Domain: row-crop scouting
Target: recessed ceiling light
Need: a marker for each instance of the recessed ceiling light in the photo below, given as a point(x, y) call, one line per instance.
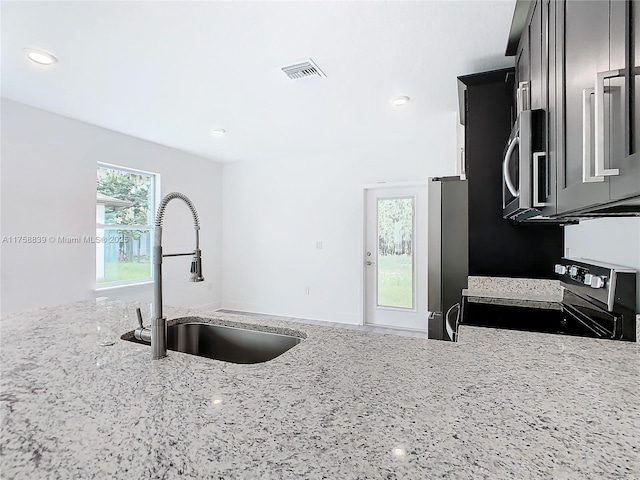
point(38, 56)
point(401, 100)
point(218, 132)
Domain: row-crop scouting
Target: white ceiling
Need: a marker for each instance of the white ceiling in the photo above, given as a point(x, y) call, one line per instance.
point(169, 72)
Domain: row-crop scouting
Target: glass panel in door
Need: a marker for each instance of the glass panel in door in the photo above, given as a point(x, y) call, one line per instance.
point(395, 272)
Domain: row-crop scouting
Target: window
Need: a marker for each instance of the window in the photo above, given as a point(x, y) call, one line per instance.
point(124, 225)
point(395, 252)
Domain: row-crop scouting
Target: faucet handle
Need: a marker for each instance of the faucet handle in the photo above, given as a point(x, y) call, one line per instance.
point(139, 314)
point(141, 333)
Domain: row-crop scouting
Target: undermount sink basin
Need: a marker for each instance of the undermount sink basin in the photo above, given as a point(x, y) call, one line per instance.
point(229, 344)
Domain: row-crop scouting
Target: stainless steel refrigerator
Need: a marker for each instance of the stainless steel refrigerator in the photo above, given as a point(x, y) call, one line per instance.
point(448, 244)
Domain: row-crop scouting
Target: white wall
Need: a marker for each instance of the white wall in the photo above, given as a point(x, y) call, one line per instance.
point(48, 188)
point(275, 212)
point(611, 240)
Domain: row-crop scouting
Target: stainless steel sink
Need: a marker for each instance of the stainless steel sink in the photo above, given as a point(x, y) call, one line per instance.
point(229, 344)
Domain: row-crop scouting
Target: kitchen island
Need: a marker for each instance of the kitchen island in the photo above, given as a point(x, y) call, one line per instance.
point(342, 404)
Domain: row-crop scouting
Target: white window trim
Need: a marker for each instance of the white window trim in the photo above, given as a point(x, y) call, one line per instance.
point(155, 194)
point(116, 286)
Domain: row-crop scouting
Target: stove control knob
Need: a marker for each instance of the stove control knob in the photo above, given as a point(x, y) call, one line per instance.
point(573, 271)
point(560, 269)
point(594, 281)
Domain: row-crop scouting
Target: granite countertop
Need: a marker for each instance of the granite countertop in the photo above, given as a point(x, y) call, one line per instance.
point(341, 404)
point(534, 289)
point(509, 301)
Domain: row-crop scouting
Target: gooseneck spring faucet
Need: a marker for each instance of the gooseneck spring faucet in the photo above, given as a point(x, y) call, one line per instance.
point(157, 334)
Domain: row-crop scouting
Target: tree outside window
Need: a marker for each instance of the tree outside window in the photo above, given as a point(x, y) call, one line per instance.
point(395, 252)
point(124, 225)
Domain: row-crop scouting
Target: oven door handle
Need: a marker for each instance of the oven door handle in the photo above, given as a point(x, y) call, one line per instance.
point(598, 330)
point(505, 167)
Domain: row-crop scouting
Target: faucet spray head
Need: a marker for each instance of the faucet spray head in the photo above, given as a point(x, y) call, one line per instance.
point(196, 268)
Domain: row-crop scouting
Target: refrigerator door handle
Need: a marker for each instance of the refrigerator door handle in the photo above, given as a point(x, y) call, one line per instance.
point(451, 329)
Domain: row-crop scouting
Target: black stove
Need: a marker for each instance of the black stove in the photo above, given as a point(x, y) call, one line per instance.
point(598, 301)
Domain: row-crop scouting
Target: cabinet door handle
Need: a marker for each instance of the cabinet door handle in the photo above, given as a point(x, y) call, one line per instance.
point(600, 171)
point(586, 138)
point(505, 167)
point(536, 179)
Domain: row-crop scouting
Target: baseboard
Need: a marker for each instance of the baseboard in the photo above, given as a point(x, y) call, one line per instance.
point(209, 307)
point(348, 319)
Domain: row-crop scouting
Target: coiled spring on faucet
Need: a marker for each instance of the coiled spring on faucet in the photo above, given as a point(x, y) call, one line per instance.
point(181, 196)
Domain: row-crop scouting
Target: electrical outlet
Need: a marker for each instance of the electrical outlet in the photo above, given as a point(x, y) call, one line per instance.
point(307, 290)
point(319, 245)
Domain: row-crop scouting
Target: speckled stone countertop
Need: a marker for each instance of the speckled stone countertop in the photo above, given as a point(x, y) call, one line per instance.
point(515, 288)
point(342, 404)
point(514, 302)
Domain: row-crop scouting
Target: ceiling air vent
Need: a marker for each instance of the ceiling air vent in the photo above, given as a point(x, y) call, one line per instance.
point(302, 69)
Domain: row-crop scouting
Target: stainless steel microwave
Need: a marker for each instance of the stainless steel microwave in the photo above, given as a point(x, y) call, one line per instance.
point(525, 168)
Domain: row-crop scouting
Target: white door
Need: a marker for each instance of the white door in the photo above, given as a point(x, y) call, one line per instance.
point(395, 257)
